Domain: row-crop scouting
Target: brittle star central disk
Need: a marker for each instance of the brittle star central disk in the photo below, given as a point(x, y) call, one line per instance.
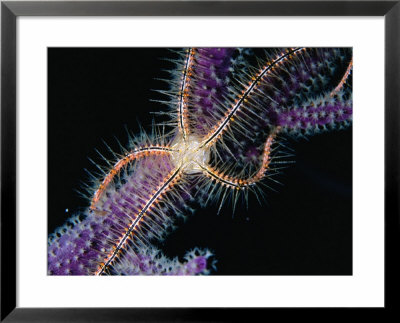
point(190, 154)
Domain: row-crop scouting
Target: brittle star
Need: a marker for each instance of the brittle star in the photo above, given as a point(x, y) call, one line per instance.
point(189, 151)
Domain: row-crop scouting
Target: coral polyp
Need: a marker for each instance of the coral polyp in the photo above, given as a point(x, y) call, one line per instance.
point(229, 112)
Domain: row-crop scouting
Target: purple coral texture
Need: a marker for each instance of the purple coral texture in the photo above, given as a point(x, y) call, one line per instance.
point(211, 79)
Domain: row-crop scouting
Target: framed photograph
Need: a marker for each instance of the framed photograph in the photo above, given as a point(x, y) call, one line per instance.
point(79, 79)
point(208, 156)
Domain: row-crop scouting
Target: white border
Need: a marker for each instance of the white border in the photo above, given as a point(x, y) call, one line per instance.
point(364, 288)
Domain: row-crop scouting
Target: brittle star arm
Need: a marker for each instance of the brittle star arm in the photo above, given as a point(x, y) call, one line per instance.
point(223, 124)
point(169, 181)
point(344, 79)
point(183, 120)
point(130, 157)
point(237, 183)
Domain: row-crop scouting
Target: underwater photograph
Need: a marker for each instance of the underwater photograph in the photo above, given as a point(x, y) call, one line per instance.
point(200, 161)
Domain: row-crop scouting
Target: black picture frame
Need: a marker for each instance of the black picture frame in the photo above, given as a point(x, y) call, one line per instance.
point(10, 10)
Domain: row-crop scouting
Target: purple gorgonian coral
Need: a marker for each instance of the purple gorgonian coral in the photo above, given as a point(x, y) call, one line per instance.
point(229, 109)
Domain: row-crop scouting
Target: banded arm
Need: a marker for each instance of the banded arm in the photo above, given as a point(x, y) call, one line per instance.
point(183, 121)
point(238, 183)
point(130, 157)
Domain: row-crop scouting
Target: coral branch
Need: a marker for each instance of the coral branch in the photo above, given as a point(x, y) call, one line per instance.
point(211, 73)
point(316, 115)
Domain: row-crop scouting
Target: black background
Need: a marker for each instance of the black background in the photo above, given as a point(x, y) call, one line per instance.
point(304, 229)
